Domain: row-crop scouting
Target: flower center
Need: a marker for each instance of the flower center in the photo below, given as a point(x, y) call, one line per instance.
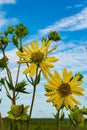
point(64, 89)
point(37, 57)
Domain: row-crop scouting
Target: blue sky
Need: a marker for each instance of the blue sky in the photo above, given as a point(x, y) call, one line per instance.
point(69, 19)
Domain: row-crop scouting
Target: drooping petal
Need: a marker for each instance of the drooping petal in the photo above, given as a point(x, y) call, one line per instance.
point(56, 101)
point(52, 98)
point(46, 68)
point(48, 64)
point(70, 102)
point(44, 72)
point(66, 103)
point(28, 69)
point(33, 71)
point(60, 103)
point(50, 93)
point(74, 100)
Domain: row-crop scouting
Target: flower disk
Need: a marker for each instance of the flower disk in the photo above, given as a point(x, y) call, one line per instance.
point(37, 58)
point(61, 90)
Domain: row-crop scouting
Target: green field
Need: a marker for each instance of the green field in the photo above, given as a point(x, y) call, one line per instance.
point(43, 124)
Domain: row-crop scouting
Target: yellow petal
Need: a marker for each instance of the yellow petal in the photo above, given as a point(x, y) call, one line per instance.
point(52, 49)
point(69, 101)
point(56, 101)
point(28, 69)
point(60, 103)
point(48, 64)
point(26, 50)
point(22, 55)
point(46, 68)
point(57, 75)
point(24, 61)
point(33, 71)
point(66, 104)
point(52, 82)
point(77, 89)
point(50, 87)
point(52, 59)
point(75, 79)
point(37, 45)
point(43, 45)
point(53, 97)
point(33, 46)
point(44, 72)
point(64, 74)
point(78, 93)
point(50, 93)
point(76, 84)
point(75, 100)
point(68, 77)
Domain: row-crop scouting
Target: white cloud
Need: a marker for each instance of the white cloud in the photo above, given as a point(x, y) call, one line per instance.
point(72, 23)
point(6, 21)
point(7, 1)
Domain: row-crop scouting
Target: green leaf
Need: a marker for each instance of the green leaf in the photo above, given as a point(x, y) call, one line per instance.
point(62, 116)
point(21, 87)
point(10, 86)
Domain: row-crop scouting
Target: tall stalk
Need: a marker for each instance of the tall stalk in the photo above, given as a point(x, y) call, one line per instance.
point(1, 122)
point(33, 98)
point(58, 120)
point(31, 108)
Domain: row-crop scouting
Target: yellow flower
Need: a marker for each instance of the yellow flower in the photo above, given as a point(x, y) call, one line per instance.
point(61, 90)
point(37, 57)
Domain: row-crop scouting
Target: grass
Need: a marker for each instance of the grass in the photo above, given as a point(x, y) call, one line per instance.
point(42, 124)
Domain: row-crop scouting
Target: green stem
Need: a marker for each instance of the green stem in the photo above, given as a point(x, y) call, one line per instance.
point(32, 103)
point(2, 125)
point(31, 108)
point(58, 121)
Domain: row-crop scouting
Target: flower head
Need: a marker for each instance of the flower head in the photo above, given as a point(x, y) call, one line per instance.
point(37, 58)
point(76, 117)
point(18, 112)
point(62, 90)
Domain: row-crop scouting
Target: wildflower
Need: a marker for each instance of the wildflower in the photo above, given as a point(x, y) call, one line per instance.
point(76, 117)
point(18, 112)
point(37, 58)
point(62, 90)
